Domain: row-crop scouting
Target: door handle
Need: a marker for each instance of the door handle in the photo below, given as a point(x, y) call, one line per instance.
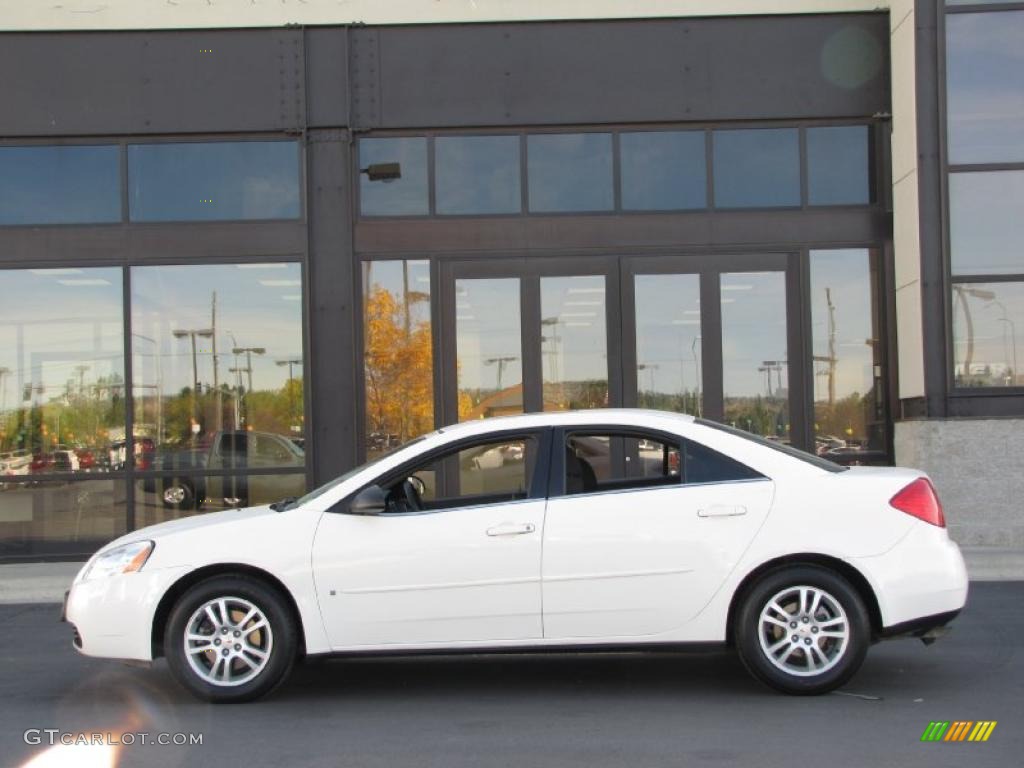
point(722, 510)
point(511, 529)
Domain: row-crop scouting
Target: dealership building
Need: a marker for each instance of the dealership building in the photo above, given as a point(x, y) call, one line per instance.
point(246, 245)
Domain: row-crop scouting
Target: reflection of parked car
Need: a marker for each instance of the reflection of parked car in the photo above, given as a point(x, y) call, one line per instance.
point(58, 461)
point(14, 464)
point(222, 450)
point(118, 455)
point(852, 455)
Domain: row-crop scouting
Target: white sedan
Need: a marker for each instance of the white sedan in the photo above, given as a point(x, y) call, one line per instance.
point(577, 530)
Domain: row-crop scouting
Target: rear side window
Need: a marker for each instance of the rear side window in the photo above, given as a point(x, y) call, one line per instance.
point(789, 450)
point(703, 465)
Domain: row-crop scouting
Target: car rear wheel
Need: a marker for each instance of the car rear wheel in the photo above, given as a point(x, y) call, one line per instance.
point(802, 630)
point(230, 638)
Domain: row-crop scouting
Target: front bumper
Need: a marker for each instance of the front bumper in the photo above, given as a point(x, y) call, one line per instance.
point(113, 617)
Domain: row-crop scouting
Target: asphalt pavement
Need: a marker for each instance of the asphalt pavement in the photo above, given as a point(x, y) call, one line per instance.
point(636, 709)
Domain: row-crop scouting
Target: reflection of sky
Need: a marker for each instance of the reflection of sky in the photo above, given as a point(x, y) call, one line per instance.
point(487, 327)
point(575, 340)
point(215, 180)
point(757, 168)
point(837, 165)
point(406, 196)
point(53, 320)
point(389, 276)
point(60, 185)
point(477, 174)
point(663, 170)
point(261, 305)
point(753, 331)
point(668, 342)
point(847, 273)
point(986, 228)
point(985, 87)
point(570, 172)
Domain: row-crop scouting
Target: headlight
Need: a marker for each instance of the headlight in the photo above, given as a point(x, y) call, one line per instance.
point(127, 558)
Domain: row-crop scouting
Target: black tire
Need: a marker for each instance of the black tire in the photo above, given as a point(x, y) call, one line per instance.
point(280, 642)
point(178, 494)
point(795, 674)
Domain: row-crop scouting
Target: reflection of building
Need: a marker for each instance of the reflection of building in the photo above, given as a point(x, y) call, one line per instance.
point(826, 253)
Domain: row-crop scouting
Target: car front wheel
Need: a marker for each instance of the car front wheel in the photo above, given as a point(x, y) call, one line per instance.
point(802, 630)
point(230, 639)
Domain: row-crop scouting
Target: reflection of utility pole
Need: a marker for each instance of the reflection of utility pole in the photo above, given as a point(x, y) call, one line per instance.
point(962, 293)
point(216, 374)
point(650, 368)
point(1013, 337)
point(291, 362)
point(159, 387)
point(699, 383)
point(5, 372)
point(555, 339)
point(248, 352)
point(830, 359)
point(769, 366)
point(192, 333)
point(500, 362)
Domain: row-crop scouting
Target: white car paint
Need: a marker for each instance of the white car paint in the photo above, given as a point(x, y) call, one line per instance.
point(658, 565)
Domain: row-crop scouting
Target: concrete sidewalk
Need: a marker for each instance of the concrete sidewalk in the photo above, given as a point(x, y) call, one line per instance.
point(46, 582)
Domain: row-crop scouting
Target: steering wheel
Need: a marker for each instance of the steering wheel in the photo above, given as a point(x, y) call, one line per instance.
point(412, 498)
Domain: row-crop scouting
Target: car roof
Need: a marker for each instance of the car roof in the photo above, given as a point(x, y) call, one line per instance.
point(627, 417)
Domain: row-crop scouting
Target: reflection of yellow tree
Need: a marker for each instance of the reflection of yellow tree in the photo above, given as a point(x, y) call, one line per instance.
point(398, 367)
point(846, 418)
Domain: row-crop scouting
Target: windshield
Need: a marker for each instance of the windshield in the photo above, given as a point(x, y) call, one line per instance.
point(796, 453)
point(317, 492)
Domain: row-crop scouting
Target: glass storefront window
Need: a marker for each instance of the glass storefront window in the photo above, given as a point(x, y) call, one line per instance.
point(570, 172)
point(757, 168)
point(755, 365)
point(668, 343)
point(984, 83)
point(386, 195)
point(477, 175)
point(986, 319)
point(397, 353)
point(837, 165)
point(53, 515)
point(217, 366)
point(60, 185)
point(985, 227)
point(489, 347)
point(159, 499)
point(574, 342)
point(849, 415)
point(62, 389)
point(663, 170)
point(208, 181)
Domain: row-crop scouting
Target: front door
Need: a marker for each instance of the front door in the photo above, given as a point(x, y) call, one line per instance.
point(522, 335)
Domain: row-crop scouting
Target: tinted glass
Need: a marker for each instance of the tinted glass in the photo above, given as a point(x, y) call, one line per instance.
point(477, 174)
point(837, 165)
point(216, 180)
point(796, 453)
point(397, 362)
point(703, 465)
point(488, 346)
point(596, 462)
point(570, 172)
point(986, 319)
point(758, 168)
point(502, 468)
point(62, 390)
point(159, 499)
point(849, 417)
point(755, 367)
point(60, 185)
point(668, 342)
point(52, 516)
point(406, 196)
point(984, 83)
point(663, 170)
point(986, 228)
point(574, 342)
point(217, 366)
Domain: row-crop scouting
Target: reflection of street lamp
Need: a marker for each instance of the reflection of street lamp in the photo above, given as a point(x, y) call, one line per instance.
point(159, 386)
point(206, 333)
point(1013, 335)
point(291, 362)
point(500, 362)
point(5, 372)
point(962, 294)
point(650, 368)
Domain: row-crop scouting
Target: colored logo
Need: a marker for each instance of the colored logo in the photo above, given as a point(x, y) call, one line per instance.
point(958, 730)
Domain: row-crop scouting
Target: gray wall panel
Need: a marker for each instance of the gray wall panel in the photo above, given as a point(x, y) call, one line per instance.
point(595, 72)
point(154, 82)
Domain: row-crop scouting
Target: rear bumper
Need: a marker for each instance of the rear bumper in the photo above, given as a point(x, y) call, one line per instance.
point(920, 582)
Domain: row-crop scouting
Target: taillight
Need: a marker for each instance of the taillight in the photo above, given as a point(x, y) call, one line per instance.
point(920, 500)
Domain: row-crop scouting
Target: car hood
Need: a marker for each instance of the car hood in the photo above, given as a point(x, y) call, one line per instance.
point(171, 527)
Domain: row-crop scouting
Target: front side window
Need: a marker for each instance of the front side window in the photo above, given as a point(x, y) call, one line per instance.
point(489, 472)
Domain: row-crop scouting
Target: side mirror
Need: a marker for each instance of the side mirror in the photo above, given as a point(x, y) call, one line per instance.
point(369, 501)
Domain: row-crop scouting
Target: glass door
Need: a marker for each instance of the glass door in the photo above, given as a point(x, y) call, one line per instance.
point(524, 335)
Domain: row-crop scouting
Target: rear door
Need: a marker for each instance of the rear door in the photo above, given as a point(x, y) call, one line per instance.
point(640, 534)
